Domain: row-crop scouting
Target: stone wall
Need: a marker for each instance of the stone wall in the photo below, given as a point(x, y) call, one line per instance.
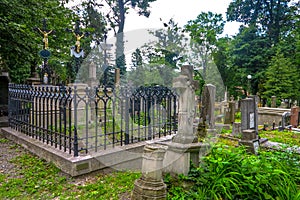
point(269, 115)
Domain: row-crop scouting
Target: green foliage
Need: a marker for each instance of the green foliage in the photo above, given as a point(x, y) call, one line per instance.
point(35, 178)
point(204, 31)
point(20, 44)
point(282, 79)
point(250, 54)
point(109, 186)
point(3, 140)
point(286, 137)
point(170, 48)
point(238, 115)
point(231, 173)
point(273, 17)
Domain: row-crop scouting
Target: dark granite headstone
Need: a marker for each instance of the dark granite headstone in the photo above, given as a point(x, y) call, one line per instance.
point(4, 80)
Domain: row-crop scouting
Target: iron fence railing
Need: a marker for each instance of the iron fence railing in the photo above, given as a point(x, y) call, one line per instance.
point(81, 120)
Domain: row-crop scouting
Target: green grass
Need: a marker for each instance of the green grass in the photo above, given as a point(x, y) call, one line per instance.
point(37, 179)
point(285, 137)
point(227, 172)
point(3, 140)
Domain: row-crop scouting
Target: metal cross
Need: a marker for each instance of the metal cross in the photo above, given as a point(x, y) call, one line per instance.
point(78, 34)
point(45, 33)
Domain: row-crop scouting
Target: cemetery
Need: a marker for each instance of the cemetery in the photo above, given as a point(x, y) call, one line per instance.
point(193, 115)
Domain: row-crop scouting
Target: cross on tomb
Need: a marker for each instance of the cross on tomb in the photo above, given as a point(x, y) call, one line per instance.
point(45, 33)
point(78, 35)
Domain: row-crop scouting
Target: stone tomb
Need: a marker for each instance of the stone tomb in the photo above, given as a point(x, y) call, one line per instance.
point(4, 80)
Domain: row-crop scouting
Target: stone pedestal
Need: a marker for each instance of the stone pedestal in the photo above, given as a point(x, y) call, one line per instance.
point(151, 185)
point(295, 116)
point(250, 141)
point(236, 128)
point(180, 156)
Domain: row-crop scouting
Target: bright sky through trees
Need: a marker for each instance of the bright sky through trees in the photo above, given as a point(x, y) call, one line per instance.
point(181, 11)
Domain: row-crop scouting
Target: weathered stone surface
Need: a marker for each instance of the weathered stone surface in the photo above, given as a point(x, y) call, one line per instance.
point(236, 128)
point(270, 115)
point(273, 102)
point(250, 141)
point(208, 105)
point(149, 190)
point(127, 157)
point(151, 185)
point(179, 157)
point(249, 113)
point(185, 86)
point(249, 135)
point(252, 146)
point(295, 116)
point(230, 113)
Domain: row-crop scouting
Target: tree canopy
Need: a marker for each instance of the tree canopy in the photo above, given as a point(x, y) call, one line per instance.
point(20, 43)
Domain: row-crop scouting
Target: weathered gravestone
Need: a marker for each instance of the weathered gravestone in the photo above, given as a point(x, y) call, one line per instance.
point(249, 124)
point(92, 80)
point(249, 113)
point(208, 105)
point(236, 128)
point(230, 113)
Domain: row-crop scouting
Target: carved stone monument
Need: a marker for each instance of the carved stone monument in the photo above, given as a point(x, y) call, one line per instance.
point(184, 147)
point(150, 185)
point(230, 113)
point(185, 86)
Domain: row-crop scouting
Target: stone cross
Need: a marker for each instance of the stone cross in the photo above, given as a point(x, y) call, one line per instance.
point(185, 86)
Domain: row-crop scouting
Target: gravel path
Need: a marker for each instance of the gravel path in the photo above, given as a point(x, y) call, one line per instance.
point(8, 151)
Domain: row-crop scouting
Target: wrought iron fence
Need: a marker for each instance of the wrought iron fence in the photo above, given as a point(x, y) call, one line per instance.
point(81, 119)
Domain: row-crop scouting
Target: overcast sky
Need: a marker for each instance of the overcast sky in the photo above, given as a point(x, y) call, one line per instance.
point(181, 11)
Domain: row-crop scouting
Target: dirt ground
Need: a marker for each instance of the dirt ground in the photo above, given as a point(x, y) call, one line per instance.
point(10, 150)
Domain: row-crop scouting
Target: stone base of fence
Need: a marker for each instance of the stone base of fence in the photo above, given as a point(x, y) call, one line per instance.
point(127, 157)
point(3, 121)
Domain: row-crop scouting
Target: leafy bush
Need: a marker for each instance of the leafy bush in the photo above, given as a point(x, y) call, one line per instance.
point(231, 173)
